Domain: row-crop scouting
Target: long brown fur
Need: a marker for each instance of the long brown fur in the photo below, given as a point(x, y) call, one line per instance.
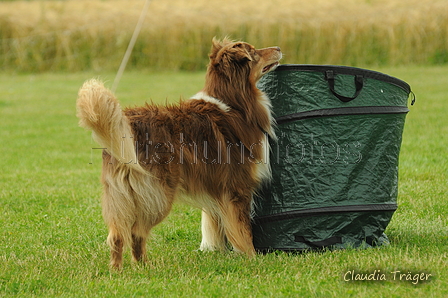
point(210, 150)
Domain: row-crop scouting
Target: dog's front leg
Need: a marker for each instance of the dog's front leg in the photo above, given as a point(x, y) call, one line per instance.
point(237, 226)
point(212, 233)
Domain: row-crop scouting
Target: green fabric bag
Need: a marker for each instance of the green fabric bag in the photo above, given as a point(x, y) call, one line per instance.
point(335, 162)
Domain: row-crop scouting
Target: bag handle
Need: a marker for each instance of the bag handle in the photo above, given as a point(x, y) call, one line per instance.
point(318, 244)
point(359, 84)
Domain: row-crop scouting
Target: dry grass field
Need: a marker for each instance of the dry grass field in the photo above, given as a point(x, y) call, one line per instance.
point(78, 35)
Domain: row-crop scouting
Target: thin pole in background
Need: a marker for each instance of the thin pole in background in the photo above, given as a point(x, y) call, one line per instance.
point(125, 60)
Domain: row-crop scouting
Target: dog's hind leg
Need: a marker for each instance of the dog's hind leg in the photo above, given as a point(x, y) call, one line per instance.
point(140, 232)
point(237, 226)
point(119, 215)
point(212, 233)
point(139, 248)
point(116, 244)
point(153, 202)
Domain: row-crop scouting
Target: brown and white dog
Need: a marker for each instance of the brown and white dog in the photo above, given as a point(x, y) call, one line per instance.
point(210, 150)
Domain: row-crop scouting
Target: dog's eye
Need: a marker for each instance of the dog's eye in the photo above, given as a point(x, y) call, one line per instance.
point(253, 53)
point(238, 45)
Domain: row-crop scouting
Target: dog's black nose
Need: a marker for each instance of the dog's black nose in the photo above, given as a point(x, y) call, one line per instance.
point(278, 49)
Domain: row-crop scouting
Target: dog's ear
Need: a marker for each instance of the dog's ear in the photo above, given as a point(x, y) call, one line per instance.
point(240, 52)
point(222, 53)
point(217, 46)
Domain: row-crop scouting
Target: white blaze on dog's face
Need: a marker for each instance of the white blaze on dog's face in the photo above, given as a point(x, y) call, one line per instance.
point(258, 62)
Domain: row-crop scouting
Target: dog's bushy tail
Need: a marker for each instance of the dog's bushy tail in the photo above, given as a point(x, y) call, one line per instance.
point(99, 111)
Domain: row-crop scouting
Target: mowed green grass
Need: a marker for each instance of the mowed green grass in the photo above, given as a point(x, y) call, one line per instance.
point(52, 237)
